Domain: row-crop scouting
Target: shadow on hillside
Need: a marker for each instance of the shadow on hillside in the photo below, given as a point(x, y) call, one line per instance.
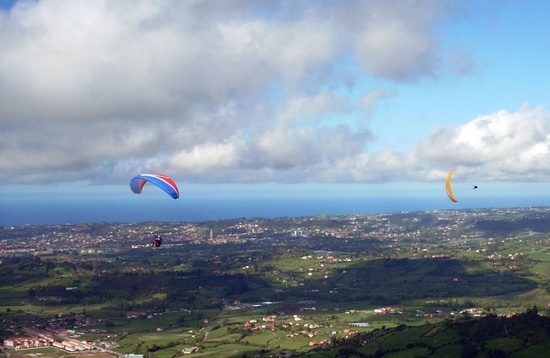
point(494, 227)
point(391, 281)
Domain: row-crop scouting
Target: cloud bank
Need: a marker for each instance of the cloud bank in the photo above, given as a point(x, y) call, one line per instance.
point(233, 91)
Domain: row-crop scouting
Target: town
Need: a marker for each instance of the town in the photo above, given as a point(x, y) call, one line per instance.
point(278, 285)
point(422, 230)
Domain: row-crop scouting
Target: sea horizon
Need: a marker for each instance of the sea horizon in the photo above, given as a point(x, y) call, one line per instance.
point(52, 211)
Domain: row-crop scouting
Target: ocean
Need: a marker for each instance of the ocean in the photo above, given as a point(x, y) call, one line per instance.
point(48, 210)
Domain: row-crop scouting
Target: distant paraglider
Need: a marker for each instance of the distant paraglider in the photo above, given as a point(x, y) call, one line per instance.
point(157, 241)
point(162, 181)
point(448, 187)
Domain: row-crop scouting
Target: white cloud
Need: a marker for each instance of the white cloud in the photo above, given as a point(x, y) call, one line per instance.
point(396, 42)
point(497, 146)
point(207, 156)
point(227, 91)
point(500, 146)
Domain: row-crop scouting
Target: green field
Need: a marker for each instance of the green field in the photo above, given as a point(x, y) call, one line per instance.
point(327, 295)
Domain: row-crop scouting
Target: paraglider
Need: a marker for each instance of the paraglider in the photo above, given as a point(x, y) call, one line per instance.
point(162, 181)
point(448, 187)
point(157, 241)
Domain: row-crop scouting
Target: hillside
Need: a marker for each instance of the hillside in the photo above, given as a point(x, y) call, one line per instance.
point(522, 335)
point(379, 285)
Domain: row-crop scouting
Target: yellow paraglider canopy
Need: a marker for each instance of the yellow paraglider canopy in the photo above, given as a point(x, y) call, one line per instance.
point(448, 187)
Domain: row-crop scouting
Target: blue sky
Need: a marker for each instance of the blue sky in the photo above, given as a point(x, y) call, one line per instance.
point(306, 95)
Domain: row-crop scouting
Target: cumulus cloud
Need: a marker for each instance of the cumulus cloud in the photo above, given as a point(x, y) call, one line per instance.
point(500, 146)
point(497, 146)
point(206, 156)
point(395, 42)
point(231, 91)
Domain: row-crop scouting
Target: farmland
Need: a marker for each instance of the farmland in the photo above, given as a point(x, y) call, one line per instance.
point(382, 285)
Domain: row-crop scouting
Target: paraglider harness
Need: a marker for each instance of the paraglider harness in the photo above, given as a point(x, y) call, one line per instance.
point(157, 241)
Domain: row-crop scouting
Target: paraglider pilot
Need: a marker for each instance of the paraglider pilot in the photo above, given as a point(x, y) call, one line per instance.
point(157, 241)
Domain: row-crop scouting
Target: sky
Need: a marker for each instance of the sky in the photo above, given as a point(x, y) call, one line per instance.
point(261, 94)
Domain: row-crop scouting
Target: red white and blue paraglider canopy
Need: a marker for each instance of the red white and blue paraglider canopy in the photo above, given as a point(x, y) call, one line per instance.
point(162, 181)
